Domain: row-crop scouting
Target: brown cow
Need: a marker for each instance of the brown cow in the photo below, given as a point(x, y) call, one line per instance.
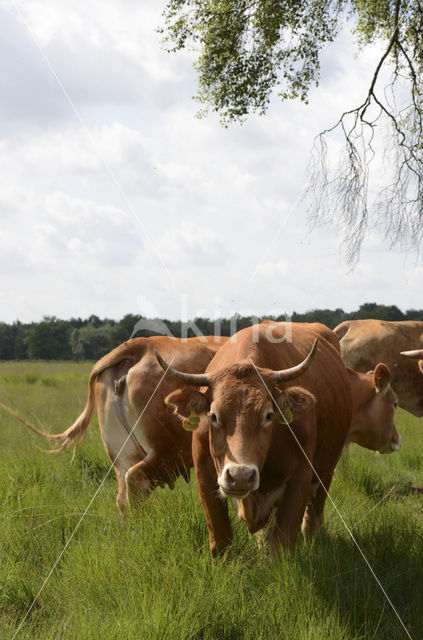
point(364, 343)
point(246, 448)
point(130, 389)
point(374, 403)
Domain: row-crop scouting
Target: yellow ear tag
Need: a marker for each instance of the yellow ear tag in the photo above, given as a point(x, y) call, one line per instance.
point(287, 416)
point(192, 422)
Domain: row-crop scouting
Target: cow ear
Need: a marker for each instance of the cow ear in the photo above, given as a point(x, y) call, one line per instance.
point(381, 377)
point(293, 402)
point(188, 404)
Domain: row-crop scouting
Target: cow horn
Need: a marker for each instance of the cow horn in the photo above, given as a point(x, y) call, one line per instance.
point(417, 353)
point(294, 372)
point(196, 379)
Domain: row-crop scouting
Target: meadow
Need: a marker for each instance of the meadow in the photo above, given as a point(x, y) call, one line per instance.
point(150, 576)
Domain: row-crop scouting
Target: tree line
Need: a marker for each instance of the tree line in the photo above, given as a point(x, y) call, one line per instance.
point(90, 339)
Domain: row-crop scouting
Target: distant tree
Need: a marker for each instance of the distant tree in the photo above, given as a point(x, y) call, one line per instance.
point(205, 325)
point(91, 343)
point(77, 323)
point(20, 340)
point(174, 326)
point(377, 311)
point(6, 341)
point(325, 316)
point(49, 340)
point(123, 329)
point(95, 321)
point(414, 314)
point(229, 326)
point(245, 49)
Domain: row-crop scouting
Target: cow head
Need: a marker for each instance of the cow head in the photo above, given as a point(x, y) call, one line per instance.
point(242, 405)
point(374, 404)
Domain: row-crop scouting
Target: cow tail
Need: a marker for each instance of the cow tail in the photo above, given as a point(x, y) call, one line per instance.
point(76, 432)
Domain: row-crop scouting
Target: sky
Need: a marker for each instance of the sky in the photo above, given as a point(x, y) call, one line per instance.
point(116, 199)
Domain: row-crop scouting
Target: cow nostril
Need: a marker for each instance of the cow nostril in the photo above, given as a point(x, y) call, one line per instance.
point(229, 477)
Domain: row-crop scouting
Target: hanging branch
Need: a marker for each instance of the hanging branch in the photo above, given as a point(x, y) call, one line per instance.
point(344, 198)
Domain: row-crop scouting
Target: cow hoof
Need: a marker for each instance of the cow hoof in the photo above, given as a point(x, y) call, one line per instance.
point(310, 525)
point(122, 505)
point(220, 554)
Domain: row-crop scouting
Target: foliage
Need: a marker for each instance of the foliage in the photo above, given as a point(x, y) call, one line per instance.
point(6, 341)
point(381, 312)
point(90, 342)
point(49, 339)
point(90, 339)
point(245, 49)
point(325, 316)
point(150, 576)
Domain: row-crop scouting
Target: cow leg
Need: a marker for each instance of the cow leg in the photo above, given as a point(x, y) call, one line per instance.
point(289, 513)
point(119, 448)
point(121, 500)
point(313, 515)
point(263, 537)
point(139, 479)
point(154, 470)
point(215, 507)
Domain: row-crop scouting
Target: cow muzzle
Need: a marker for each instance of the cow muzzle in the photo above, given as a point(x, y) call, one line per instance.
point(238, 480)
point(394, 445)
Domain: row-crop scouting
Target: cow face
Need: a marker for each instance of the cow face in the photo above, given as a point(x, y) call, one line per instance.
point(241, 416)
point(373, 416)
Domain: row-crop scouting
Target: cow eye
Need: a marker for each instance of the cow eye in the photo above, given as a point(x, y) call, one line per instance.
point(268, 416)
point(213, 417)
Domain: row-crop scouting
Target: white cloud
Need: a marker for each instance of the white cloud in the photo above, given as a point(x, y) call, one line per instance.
point(191, 245)
point(102, 53)
point(59, 231)
point(272, 269)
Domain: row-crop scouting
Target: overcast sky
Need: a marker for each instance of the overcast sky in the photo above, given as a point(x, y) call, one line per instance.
point(115, 199)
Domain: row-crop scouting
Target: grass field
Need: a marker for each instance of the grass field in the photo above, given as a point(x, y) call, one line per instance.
point(151, 577)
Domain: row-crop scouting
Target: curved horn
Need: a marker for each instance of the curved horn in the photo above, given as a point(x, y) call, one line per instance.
point(294, 372)
point(196, 379)
point(417, 354)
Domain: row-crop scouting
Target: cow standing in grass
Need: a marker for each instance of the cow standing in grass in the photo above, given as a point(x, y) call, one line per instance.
point(270, 425)
point(140, 433)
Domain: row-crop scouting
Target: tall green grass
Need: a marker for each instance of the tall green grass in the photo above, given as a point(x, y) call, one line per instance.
point(151, 577)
